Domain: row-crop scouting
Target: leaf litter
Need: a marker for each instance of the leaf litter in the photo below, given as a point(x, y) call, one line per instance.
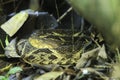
point(95, 59)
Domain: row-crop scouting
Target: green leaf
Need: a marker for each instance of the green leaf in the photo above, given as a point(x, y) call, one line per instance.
point(3, 78)
point(6, 41)
point(14, 70)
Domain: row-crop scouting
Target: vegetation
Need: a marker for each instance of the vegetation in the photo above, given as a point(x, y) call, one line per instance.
point(55, 43)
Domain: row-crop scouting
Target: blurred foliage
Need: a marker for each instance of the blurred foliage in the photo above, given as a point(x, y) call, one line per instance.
point(104, 14)
point(13, 70)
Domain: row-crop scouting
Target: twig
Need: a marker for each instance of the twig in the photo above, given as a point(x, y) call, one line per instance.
point(73, 47)
point(63, 15)
point(56, 6)
point(1, 43)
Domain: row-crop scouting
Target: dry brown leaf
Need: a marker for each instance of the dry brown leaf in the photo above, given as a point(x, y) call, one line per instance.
point(49, 76)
